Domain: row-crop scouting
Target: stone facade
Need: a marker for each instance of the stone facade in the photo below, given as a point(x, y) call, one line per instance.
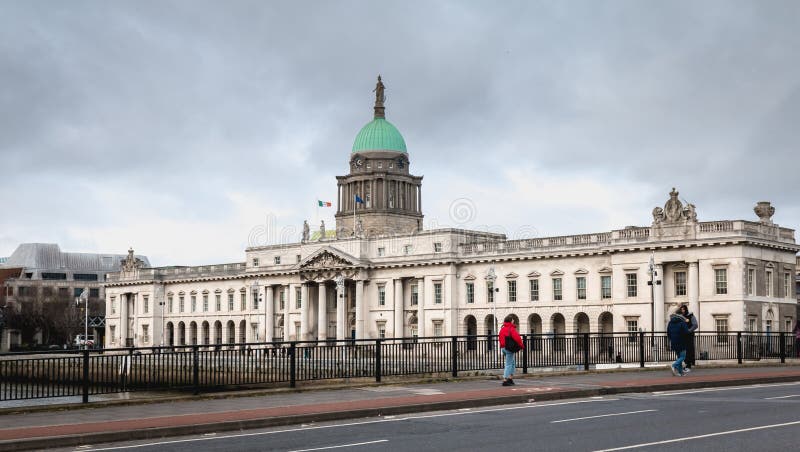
point(384, 276)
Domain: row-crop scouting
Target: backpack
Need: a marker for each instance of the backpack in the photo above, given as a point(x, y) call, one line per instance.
point(512, 345)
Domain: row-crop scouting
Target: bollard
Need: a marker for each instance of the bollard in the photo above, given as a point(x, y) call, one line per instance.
point(525, 343)
point(292, 365)
point(454, 355)
point(85, 382)
point(739, 347)
point(782, 344)
point(378, 360)
point(585, 351)
point(641, 348)
point(196, 369)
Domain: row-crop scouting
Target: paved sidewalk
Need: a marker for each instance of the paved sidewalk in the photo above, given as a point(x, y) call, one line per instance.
point(39, 429)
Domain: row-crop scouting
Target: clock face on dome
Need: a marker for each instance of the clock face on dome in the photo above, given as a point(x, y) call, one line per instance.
point(359, 162)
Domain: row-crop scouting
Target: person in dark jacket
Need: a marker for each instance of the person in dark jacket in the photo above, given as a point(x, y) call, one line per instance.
point(678, 332)
point(691, 322)
point(509, 332)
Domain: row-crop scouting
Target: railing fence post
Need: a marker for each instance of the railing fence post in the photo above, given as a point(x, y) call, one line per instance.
point(585, 351)
point(196, 369)
point(782, 344)
point(525, 353)
point(85, 381)
point(739, 347)
point(641, 348)
point(454, 355)
point(378, 369)
point(292, 365)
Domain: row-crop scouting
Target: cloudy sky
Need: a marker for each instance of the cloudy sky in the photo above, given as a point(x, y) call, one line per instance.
point(191, 129)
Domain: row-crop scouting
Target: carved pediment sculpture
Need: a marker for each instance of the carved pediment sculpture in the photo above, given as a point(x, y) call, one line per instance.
point(674, 211)
point(131, 263)
point(326, 259)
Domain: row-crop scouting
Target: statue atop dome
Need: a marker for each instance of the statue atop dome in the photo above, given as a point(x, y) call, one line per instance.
point(380, 97)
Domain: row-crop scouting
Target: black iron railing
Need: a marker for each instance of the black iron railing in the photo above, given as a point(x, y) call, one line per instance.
point(199, 368)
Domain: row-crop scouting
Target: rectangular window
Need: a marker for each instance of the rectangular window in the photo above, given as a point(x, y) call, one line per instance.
point(490, 292)
point(382, 295)
point(205, 302)
point(437, 247)
point(632, 326)
point(580, 284)
point(277, 260)
point(787, 324)
point(180, 303)
point(298, 258)
point(146, 304)
point(243, 301)
point(470, 293)
point(255, 299)
point(721, 325)
point(751, 281)
point(605, 287)
point(407, 249)
point(81, 277)
point(382, 330)
point(193, 301)
point(298, 297)
point(113, 305)
point(534, 289)
point(218, 302)
point(414, 331)
point(721, 280)
point(680, 284)
point(768, 283)
point(112, 329)
point(631, 282)
point(786, 284)
point(76, 292)
point(63, 292)
point(414, 294)
point(230, 302)
point(512, 291)
point(381, 252)
point(437, 293)
point(255, 262)
point(282, 301)
point(557, 289)
point(751, 324)
point(438, 329)
point(94, 293)
point(169, 304)
point(145, 334)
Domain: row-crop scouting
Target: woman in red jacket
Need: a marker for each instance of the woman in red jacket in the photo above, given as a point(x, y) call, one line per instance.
point(510, 343)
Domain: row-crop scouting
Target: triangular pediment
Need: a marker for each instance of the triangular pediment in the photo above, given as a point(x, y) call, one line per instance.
point(512, 275)
point(328, 257)
point(605, 270)
point(470, 277)
point(581, 271)
point(557, 273)
point(534, 274)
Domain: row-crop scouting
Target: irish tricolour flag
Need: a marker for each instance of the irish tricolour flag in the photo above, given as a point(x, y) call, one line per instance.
point(323, 203)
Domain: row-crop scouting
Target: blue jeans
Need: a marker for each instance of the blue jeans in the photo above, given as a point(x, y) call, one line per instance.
point(511, 363)
point(678, 364)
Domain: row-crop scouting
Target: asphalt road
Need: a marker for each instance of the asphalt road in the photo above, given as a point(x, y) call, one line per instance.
point(748, 418)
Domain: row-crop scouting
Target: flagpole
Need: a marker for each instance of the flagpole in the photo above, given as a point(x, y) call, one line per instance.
point(354, 214)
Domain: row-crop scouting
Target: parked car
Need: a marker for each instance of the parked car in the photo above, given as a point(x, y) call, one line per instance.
point(80, 342)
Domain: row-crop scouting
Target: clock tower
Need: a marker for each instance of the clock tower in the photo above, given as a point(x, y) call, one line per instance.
point(379, 195)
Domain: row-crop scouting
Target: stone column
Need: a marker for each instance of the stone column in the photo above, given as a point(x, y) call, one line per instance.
point(305, 306)
point(286, 305)
point(658, 299)
point(451, 300)
point(123, 317)
point(421, 308)
point(269, 315)
point(360, 327)
point(398, 308)
point(693, 290)
point(341, 314)
point(322, 312)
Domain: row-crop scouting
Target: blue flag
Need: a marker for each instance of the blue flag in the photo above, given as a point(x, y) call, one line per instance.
point(359, 200)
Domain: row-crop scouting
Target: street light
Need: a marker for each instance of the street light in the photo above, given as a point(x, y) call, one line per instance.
point(491, 276)
point(256, 299)
point(651, 269)
point(85, 297)
point(163, 327)
point(339, 280)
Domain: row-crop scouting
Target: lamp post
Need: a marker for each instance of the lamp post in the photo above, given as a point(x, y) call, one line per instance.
point(339, 280)
point(491, 277)
point(257, 298)
point(651, 270)
point(163, 326)
point(84, 296)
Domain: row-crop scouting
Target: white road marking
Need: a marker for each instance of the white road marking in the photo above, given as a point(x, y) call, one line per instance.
point(729, 388)
point(782, 397)
point(708, 435)
point(350, 424)
point(600, 415)
point(341, 446)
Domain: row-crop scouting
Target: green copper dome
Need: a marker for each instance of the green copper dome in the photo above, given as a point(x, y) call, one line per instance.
point(379, 135)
